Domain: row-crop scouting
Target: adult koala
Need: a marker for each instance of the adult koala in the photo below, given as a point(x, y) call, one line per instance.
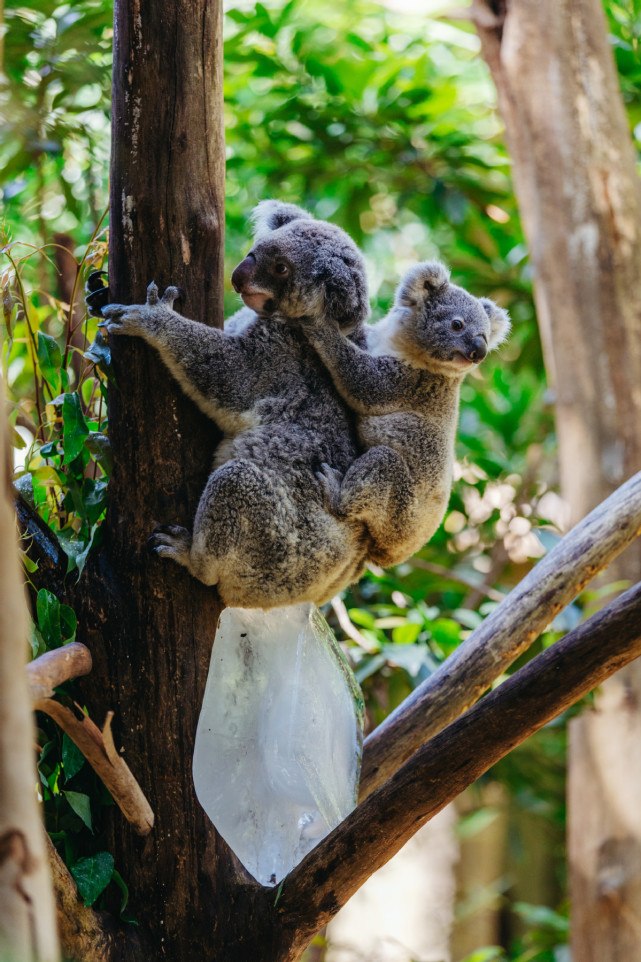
point(261, 531)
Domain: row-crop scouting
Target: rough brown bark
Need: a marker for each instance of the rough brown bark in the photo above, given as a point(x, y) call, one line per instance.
point(455, 758)
point(148, 624)
point(27, 925)
point(580, 201)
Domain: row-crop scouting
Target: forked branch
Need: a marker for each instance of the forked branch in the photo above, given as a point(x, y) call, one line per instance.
point(52, 669)
point(317, 888)
point(99, 750)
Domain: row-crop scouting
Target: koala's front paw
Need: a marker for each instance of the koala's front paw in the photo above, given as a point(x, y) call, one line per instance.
point(122, 319)
point(330, 481)
point(139, 318)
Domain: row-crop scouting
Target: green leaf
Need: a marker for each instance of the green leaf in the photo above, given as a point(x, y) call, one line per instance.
point(541, 916)
point(93, 875)
point(75, 427)
point(122, 885)
point(49, 357)
point(68, 623)
point(99, 351)
point(49, 450)
point(100, 447)
point(48, 612)
point(72, 757)
point(406, 634)
point(81, 805)
point(362, 617)
point(37, 642)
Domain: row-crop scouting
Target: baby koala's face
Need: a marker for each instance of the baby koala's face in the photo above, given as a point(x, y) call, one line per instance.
point(441, 327)
point(300, 267)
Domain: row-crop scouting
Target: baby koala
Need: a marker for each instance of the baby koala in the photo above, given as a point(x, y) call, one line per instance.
point(262, 533)
point(405, 386)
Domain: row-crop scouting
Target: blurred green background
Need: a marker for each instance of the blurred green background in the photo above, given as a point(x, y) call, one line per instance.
point(383, 121)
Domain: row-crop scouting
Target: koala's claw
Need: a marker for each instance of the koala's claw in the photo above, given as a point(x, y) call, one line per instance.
point(165, 534)
point(96, 293)
point(171, 541)
point(330, 481)
point(112, 321)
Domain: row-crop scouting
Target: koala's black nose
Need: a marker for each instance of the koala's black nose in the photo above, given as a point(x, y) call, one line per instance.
point(476, 349)
point(243, 273)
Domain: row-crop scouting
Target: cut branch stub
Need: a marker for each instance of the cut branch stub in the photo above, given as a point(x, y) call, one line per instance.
point(99, 750)
point(321, 884)
point(55, 667)
point(505, 634)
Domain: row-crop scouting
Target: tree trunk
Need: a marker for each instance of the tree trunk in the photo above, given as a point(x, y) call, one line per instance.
point(150, 625)
point(579, 196)
point(27, 919)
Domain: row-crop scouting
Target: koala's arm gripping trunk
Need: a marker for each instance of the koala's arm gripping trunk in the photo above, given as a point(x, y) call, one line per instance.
point(213, 368)
point(370, 385)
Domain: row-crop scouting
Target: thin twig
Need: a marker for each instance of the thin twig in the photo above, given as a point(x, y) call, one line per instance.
point(99, 750)
point(442, 572)
point(342, 615)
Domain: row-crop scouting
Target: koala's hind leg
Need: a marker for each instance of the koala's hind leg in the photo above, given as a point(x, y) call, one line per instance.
point(242, 522)
point(377, 490)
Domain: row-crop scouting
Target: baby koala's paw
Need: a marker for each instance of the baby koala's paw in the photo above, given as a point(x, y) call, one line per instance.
point(330, 481)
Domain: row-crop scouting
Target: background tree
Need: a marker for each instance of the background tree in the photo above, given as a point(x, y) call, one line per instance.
point(580, 200)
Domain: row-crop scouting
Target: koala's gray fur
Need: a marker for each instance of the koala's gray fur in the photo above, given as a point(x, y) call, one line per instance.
point(262, 532)
point(405, 387)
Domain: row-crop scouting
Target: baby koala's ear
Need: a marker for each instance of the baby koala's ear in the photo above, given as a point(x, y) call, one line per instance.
point(499, 322)
point(422, 282)
point(269, 215)
point(435, 277)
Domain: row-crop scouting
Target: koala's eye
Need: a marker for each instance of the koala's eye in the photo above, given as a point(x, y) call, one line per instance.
point(457, 324)
point(281, 268)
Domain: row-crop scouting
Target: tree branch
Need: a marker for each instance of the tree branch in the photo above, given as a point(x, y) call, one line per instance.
point(322, 883)
point(99, 750)
point(42, 546)
point(508, 631)
point(53, 668)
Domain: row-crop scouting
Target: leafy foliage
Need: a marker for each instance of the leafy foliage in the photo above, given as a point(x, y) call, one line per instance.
point(388, 129)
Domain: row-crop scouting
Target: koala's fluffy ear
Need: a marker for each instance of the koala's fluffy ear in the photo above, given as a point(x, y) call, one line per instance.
point(499, 322)
point(269, 215)
point(346, 291)
point(421, 282)
point(435, 277)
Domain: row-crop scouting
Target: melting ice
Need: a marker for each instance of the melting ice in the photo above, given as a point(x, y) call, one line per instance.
point(278, 746)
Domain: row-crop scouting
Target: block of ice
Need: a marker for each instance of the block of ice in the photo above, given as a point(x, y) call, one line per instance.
point(278, 746)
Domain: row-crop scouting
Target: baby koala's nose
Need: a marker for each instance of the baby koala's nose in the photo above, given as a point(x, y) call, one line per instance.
point(476, 349)
point(243, 273)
